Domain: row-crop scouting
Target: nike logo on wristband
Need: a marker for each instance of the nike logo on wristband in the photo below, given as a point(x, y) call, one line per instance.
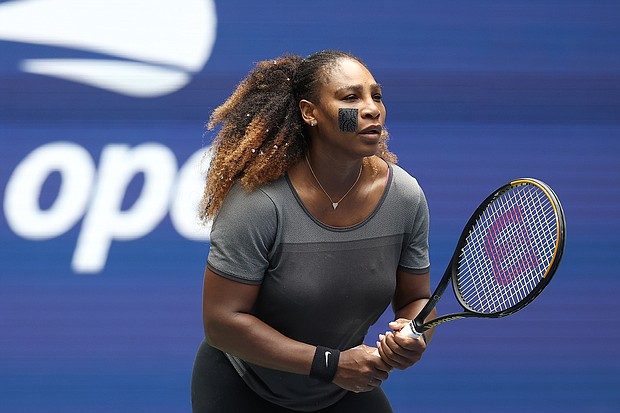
point(327, 353)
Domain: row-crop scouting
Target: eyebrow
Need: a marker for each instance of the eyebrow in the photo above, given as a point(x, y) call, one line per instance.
point(358, 87)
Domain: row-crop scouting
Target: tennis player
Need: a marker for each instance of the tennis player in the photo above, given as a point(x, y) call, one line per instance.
point(316, 231)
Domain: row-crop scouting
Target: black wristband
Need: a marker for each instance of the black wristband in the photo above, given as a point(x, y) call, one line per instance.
point(325, 364)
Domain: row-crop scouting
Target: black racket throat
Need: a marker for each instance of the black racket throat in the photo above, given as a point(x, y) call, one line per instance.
point(418, 324)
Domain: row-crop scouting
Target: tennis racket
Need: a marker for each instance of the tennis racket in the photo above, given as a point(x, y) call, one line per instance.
point(506, 255)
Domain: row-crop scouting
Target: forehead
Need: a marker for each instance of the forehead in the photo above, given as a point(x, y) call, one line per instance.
point(347, 72)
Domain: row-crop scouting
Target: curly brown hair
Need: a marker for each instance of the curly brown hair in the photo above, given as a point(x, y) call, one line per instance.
point(262, 131)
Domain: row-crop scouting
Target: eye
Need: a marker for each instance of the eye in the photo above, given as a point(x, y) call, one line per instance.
point(350, 97)
point(377, 97)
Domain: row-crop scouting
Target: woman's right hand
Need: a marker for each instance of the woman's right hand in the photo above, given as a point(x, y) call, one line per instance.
point(360, 370)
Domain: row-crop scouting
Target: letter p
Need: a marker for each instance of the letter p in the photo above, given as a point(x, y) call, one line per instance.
point(105, 220)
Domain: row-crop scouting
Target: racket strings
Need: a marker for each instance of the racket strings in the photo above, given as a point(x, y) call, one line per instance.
point(508, 250)
point(513, 241)
point(509, 243)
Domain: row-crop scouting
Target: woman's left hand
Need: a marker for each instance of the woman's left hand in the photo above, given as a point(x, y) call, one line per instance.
point(398, 350)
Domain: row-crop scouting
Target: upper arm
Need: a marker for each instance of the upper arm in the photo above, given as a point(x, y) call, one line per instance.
point(415, 255)
point(223, 299)
point(243, 235)
point(410, 288)
point(413, 273)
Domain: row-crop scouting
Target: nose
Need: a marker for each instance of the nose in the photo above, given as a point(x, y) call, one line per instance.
point(371, 110)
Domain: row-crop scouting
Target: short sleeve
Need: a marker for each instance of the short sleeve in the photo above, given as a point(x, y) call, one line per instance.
point(242, 235)
point(415, 257)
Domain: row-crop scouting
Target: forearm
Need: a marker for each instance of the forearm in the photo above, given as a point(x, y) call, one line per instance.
point(247, 337)
point(411, 310)
point(400, 350)
point(412, 294)
point(230, 326)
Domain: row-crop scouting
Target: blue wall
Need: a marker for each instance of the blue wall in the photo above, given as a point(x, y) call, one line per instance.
point(97, 315)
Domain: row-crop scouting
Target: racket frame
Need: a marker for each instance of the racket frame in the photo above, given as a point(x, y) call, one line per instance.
point(417, 326)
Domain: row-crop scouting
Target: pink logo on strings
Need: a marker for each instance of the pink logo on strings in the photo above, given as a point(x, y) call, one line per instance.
point(507, 243)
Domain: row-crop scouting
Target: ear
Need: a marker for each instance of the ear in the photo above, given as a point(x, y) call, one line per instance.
point(308, 109)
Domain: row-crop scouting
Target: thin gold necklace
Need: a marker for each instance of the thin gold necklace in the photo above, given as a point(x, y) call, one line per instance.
point(334, 204)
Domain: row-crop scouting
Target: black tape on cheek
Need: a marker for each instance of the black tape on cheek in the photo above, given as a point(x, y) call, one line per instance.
point(347, 120)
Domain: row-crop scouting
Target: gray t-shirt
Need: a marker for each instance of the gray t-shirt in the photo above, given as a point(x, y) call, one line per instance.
point(320, 285)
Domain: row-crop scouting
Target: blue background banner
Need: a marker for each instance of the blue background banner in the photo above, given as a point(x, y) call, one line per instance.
point(102, 112)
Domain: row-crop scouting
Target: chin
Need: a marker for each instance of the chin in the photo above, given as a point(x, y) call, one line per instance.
point(370, 151)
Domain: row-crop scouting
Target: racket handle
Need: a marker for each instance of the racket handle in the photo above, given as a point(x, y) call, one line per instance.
point(410, 331)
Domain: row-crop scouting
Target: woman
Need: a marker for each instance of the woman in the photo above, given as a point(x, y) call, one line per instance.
point(309, 244)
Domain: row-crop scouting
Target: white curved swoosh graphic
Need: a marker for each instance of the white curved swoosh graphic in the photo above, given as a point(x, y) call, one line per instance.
point(159, 43)
point(128, 78)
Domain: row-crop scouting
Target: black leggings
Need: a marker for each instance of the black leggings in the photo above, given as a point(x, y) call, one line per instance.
point(217, 388)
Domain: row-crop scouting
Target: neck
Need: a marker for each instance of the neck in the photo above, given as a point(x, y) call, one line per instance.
point(335, 177)
point(334, 202)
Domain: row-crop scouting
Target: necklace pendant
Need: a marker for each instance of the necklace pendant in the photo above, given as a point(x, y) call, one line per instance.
point(334, 204)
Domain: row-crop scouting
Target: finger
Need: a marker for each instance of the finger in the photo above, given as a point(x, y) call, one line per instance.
point(399, 355)
point(398, 324)
point(393, 359)
point(367, 387)
point(380, 375)
point(385, 353)
point(395, 347)
point(382, 366)
point(384, 356)
point(383, 344)
point(404, 346)
point(409, 343)
point(374, 383)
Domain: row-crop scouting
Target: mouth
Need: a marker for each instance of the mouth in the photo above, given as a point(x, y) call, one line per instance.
point(372, 131)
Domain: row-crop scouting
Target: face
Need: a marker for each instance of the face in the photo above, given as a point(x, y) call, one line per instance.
point(348, 112)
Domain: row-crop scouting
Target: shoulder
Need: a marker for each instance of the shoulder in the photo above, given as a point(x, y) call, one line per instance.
point(405, 185)
point(407, 195)
point(241, 201)
point(243, 209)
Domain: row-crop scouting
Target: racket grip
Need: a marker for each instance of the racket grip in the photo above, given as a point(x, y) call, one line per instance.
point(410, 331)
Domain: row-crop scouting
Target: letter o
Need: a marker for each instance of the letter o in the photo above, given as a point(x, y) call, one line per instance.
point(21, 198)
